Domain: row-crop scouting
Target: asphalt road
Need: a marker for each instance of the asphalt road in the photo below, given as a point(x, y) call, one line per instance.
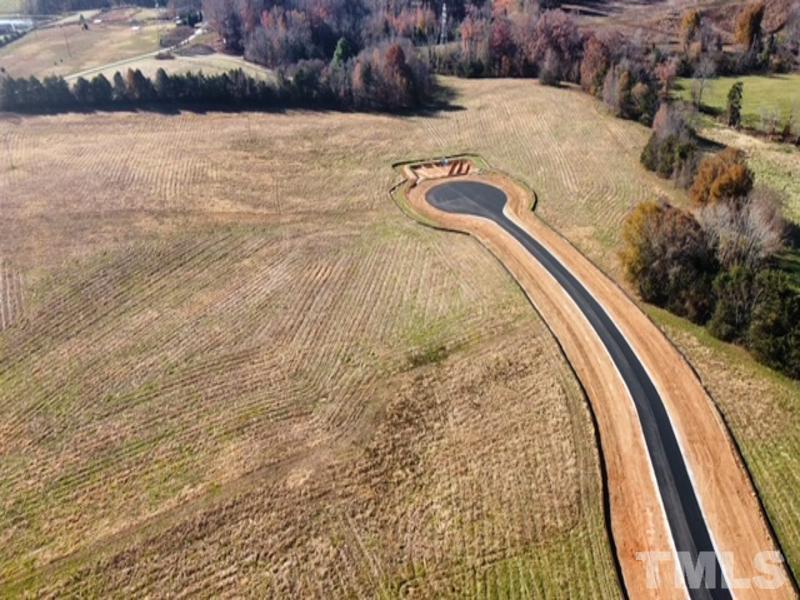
point(687, 525)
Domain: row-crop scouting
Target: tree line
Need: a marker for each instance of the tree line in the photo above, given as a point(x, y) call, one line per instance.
point(716, 263)
point(385, 78)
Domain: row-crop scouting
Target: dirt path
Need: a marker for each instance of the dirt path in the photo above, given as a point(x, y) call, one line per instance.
point(638, 521)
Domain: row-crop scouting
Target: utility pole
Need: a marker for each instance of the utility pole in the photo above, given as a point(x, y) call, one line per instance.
point(66, 41)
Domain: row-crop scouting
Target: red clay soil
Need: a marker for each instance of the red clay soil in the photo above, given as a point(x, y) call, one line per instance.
point(638, 522)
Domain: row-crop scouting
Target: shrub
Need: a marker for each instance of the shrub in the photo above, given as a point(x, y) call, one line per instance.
point(723, 177)
point(734, 105)
point(671, 150)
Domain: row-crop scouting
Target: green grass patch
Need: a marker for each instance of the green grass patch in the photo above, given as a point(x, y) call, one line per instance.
point(764, 96)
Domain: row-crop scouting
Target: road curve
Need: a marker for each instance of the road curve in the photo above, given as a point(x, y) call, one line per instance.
point(688, 527)
point(676, 483)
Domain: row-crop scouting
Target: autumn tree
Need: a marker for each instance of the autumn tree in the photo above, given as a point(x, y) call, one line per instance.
point(723, 177)
point(748, 25)
point(666, 72)
point(502, 47)
point(690, 27)
point(669, 259)
point(595, 64)
point(558, 40)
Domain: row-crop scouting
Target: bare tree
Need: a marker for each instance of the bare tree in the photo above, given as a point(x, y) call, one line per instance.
point(746, 236)
point(704, 71)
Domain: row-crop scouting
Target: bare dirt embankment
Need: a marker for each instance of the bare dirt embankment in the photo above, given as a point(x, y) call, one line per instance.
point(638, 523)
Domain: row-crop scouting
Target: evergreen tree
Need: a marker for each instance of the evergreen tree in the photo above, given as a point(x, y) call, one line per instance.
point(82, 90)
point(164, 86)
point(58, 93)
point(101, 90)
point(774, 335)
point(342, 53)
point(120, 91)
point(734, 106)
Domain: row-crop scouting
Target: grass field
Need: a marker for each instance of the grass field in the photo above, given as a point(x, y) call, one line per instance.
point(63, 50)
point(10, 7)
point(230, 363)
point(764, 97)
point(209, 64)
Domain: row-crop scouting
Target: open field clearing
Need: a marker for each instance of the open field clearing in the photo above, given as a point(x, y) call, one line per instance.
point(69, 49)
point(223, 376)
point(241, 357)
point(210, 64)
point(661, 20)
point(765, 98)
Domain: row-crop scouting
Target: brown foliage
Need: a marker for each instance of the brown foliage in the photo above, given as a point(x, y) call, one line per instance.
point(748, 24)
point(723, 177)
point(690, 25)
point(670, 260)
point(594, 66)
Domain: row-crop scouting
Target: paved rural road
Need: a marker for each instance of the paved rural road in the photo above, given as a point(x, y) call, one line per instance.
point(686, 521)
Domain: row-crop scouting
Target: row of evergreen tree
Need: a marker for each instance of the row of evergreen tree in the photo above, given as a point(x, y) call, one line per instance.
point(233, 89)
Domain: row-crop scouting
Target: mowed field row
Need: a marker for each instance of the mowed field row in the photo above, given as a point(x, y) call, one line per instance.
point(241, 369)
point(11, 294)
point(221, 356)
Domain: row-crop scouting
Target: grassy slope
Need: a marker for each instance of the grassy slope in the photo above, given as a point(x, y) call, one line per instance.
point(209, 64)
point(47, 52)
point(763, 96)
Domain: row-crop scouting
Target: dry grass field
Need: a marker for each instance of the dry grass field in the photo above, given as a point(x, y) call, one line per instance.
point(210, 64)
point(233, 366)
point(10, 7)
point(62, 50)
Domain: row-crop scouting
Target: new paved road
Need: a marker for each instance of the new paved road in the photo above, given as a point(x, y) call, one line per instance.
point(687, 525)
